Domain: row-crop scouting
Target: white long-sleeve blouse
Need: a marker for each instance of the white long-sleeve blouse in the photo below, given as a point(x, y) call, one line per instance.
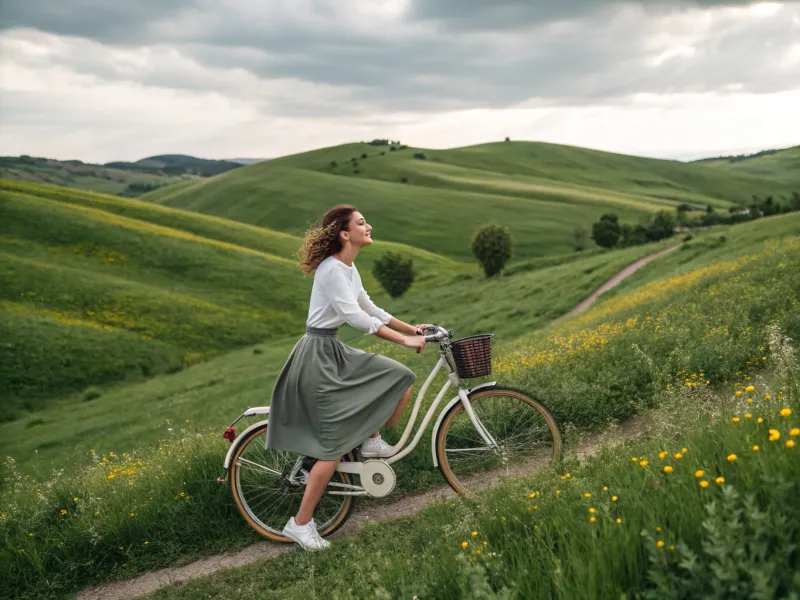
point(338, 297)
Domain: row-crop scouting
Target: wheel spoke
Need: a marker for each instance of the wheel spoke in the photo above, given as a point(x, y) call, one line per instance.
point(519, 426)
point(265, 495)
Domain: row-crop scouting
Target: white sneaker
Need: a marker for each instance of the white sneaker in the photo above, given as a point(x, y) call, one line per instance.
point(305, 535)
point(376, 448)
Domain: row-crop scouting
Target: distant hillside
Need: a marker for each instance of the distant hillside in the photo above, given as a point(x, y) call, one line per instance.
point(246, 161)
point(129, 179)
point(780, 165)
point(178, 164)
point(436, 199)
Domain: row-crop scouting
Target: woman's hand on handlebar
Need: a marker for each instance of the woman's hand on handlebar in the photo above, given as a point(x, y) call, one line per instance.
point(420, 329)
point(414, 341)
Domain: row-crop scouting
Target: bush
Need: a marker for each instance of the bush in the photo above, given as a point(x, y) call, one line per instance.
point(607, 231)
point(364, 155)
point(91, 394)
point(419, 155)
point(492, 245)
point(394, 273)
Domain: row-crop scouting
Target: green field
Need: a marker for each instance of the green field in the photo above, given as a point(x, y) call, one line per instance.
point(617, 360)
point(133, 330)
point(97, 289)
point(541, 191)
point(779, 165)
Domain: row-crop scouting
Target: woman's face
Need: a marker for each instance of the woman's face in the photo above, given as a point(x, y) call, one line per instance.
point(358, 231)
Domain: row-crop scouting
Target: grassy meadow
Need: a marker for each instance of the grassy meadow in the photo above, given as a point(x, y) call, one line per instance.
point(672, 342)
point(541, 191)
point(132, 331)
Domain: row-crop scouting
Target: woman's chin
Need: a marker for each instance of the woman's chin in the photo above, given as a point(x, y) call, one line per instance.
point(367, 241)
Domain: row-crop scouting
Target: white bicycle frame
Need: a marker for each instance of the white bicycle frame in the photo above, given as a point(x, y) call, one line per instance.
point(400, 451)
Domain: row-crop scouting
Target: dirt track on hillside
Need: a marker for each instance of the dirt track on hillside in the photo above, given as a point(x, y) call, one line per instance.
point(407, 505)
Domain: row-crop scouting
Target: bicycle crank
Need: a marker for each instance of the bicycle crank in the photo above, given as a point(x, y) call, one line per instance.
point(377, 478)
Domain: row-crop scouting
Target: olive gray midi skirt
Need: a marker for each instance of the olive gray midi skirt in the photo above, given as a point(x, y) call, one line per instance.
point(329, 397)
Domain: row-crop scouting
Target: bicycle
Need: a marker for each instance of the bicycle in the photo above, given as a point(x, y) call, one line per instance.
point(487, 427)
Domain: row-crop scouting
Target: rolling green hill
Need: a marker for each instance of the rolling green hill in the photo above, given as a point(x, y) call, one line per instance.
point(95, 289)
point(128, 179)
point(541, 191)
point(778, 165)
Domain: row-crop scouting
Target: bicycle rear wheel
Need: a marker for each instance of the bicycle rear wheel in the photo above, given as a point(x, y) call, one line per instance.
point(526, 434)
point(266, 497)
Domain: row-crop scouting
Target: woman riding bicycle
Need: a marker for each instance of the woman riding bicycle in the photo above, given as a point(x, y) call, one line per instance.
point(330, 398)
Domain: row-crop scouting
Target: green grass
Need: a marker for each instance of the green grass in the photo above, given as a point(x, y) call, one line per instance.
point(79, 176)
point(654, 534)
point(541, 191)
point(98, 289)
point(781, 166)
point(616, 361)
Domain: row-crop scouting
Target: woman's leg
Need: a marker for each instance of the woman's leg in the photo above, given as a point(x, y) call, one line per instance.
point(318, 479)
point(395, 418)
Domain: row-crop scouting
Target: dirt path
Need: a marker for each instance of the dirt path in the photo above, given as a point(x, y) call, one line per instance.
point(407, 505)
point(615, 280)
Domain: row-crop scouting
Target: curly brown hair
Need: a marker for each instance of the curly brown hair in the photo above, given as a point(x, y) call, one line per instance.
point(320, 242)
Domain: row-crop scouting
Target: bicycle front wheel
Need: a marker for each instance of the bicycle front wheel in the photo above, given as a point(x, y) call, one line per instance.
point(266, 496)
point(526, 434)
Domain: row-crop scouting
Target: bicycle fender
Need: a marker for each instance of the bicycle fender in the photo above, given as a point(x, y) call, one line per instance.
point(236, 443)
point(445, 410)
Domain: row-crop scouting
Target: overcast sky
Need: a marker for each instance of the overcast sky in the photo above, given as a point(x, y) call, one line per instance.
point(103, 80)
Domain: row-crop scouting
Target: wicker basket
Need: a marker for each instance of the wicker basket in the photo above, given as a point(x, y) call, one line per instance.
point(473, 356)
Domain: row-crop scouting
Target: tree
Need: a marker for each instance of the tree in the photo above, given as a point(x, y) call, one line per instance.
point(607, 231)
point(492, 245)
point(662, 226)
point(394, 273)
point(633, 236)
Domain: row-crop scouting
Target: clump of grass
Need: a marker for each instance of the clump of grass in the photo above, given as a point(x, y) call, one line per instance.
point(91, 393)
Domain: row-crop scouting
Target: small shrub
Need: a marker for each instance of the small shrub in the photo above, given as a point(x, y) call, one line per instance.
point(334, 164)
point(688, 237)
point(364, 155)
point(404, 180)
point(392, 148)
point(419, 155)
point(394, 272)
point(258, 351)
point(356, 171)
point(34, 422)
point(492, 245)
point(91, 394)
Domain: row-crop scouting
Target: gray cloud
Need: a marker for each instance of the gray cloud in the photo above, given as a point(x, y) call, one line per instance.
point(437, 55)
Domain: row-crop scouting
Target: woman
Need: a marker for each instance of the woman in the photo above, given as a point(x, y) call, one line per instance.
point(329, 398)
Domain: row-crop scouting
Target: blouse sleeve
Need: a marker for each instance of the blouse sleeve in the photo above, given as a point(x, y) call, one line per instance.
point(368, 306)
point(340, 295)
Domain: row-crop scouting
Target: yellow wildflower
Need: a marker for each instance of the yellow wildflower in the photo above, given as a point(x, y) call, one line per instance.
point(719, 480)
point(619, 520)
point(767, 397)
point(662, 454)
point(643, 463)
point(591, 510)
point(795, 431)
point(786, 412)
point(748, 416)
point(698, 473)
point(790, 443)
point(731, 457)
point(749, 388)
point(738, 392)
point(759, 420)
point(774, 435)
point(587, 495)
point(755, 448)
point(678, 456)
point(704, 484)
point(735, 419)
point(613, 498)
point(592, 520)
point(474, 534)
point(659, 544)
point(464, 544)
point(667, 469)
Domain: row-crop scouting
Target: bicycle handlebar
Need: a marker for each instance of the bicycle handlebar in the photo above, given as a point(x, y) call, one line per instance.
point(435, 333)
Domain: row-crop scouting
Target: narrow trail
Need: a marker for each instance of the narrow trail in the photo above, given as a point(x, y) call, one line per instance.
point(614, 281)
point(148, 583)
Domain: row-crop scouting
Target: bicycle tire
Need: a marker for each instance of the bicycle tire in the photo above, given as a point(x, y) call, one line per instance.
point(446, 466)
point(325, 529)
